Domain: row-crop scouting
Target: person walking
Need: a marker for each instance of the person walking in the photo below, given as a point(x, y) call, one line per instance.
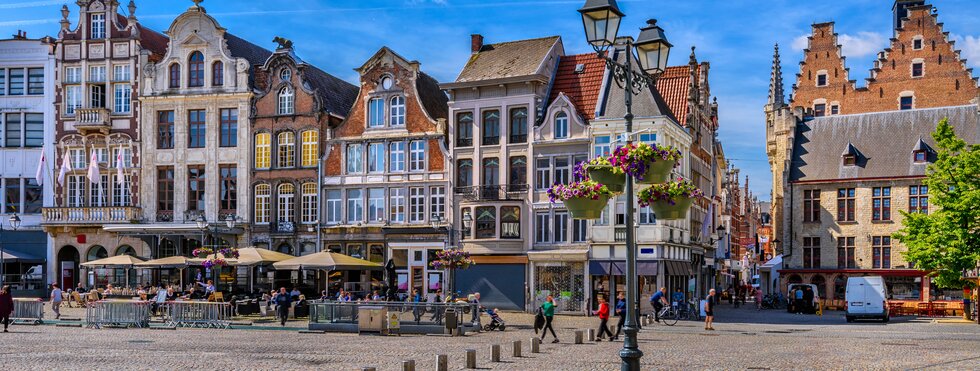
point(603, 314)
point(709, 311)
point(621, 313)
point(758, 299)
point(548, 310)
point(417, 298)
point(283, 301)
point(6, 306)
point(658, 300)
point(56, 300)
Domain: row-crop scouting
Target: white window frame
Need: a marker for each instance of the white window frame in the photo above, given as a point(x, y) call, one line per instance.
point(562, 174)
point(263, 204)
point(73, 99)
point(376, 205)
point(286, 202)
point(542, 225)
point(580, 230)
point(96, 74)
point(397, 205)
point(355, 206)
point(416, 205)
point(286, 149)
point(604, 148)
point(826, 79)
point(437, 202)
point(73, 75)
point(561, 228)
point(76, 190)
point(98, 26)
point(922, 43)
point(335, 206)
point(309, 202)
point(122, 95)
point(286, 101)
point(376, 157)
point(354, 158)
point(120, 72)
point(376, 113)
point(561, 125)
point(396, 110)
point(396, 154)
point(417, 155)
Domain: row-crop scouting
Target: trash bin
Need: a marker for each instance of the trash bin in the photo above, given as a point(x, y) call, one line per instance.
point(452, 320)
point(967, 309)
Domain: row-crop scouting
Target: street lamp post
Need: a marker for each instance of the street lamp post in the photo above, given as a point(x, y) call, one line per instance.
point(202, 224)
point(601, 19)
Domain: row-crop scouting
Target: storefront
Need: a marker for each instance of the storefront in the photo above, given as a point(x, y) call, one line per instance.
point(413, 270)
point(560, 273)
point(501, 281)
point(901, 284)
point(608, 277)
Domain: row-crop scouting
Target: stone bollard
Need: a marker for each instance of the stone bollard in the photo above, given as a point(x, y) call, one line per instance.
point(470, 358)
point(535, 345)
point(591, 333)
point(579, 335)
point(442, 362)
point(368, 368)
point(517, 349)
point(408, 365)
point(495, 353)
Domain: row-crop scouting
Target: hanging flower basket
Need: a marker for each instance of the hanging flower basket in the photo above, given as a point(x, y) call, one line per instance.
point(669, 200)
point(452, 259)
point(649, 164)
point(584, 199)
point(601, 171)
point(215, 261)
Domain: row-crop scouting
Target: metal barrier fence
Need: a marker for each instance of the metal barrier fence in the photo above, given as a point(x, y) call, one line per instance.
point(408, 313)
point(125, 313)
point(198, 314)
point(29, 310)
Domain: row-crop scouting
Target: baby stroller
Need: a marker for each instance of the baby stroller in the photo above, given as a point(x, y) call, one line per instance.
point(495, 321)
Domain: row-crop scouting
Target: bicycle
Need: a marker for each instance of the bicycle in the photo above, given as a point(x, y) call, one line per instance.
point(669, 315)
point(691, 312)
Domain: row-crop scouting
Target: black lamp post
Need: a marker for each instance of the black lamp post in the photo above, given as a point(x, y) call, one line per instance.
point(202, 224)
point(601, 19)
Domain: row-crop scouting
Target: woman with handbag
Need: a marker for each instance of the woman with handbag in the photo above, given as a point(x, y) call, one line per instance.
point(548, 310)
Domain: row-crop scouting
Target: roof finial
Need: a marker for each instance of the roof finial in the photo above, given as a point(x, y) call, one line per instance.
point(694, 59)
point(197, 6)
point(776, 81)
point(132, 9)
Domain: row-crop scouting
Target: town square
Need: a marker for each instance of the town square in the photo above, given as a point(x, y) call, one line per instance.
point(490, 184)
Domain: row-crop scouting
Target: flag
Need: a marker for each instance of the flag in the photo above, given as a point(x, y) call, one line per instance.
point(65, 168)
point(39, 176)
point(93, 168)
point(708, 217)
point(119, 167)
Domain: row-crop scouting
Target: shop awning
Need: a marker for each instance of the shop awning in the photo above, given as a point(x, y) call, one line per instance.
point(676, 268)
point(558, 255)
point(17, 256)
point(618, 268)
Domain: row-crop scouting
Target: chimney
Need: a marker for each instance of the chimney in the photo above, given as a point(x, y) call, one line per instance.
point(21, 35)
point(476, 43)
point(900, 10)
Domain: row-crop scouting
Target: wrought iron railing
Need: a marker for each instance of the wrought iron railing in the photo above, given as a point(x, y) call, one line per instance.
point(464, 142)
point(490, 141)
point(518, 138)
point(491, 192)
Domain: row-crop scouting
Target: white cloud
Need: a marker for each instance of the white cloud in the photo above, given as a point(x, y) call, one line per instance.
point(862, 44)
point(800, 43)
point(426, 2)
point(969, 47)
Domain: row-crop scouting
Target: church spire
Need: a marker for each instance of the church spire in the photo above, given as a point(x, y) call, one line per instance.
point(776, 81)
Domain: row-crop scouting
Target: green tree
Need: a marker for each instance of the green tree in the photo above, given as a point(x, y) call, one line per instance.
point(947, 239)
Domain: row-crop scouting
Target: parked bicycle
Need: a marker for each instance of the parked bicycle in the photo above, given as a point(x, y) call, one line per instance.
point(772, 301)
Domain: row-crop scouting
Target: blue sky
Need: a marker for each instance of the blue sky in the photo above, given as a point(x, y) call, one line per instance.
point(736, 36)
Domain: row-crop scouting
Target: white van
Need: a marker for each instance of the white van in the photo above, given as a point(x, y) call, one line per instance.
point(866, 298)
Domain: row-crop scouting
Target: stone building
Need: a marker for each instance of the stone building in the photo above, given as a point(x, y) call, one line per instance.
point(387, 175)
point(27, 73)
point(99, 65)
point(295, 103)
point(837, 189)
point(195, 102)
point(498, 96)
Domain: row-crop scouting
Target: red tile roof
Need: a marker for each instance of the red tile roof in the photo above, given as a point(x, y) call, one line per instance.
point(581, 88)
point(674, 85)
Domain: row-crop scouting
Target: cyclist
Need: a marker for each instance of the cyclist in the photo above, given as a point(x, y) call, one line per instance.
point(677, 298)
point(658, 300)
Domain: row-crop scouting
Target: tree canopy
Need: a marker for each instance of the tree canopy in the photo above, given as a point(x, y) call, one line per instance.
point(946, 240)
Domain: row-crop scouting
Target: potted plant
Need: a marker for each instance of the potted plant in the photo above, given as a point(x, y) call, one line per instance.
point(602, 171)
point(669, 200)
point(649, 164)
point(584, 199)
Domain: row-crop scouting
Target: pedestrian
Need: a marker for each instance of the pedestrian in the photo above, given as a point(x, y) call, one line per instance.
point(603, 314)
point(6, 306)
point(548, 311)
point(709, 311)
point(437, 310)
point(658, 300)
point(283, 301)
point(621, 313)
point(758, 299)
point(417, 298)
point(798, 303)
point(677, 298)
point(56, 300)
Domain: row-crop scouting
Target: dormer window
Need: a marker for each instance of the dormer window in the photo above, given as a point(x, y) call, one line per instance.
point(919, 156)
point(285, 74)
point(286, 101)
point(850, 155)
point(850, 160)
point(195, 70)
point(561, 125)
point(387, 83)
point(174, 75)
point(98, 26)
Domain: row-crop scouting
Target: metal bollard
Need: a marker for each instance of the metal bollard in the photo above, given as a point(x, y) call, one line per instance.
point(408, 365)
point(591, 333)
point(442, 362)
point(579, 335)
point(517, 349)
point(495, 353)
point(535, 345)
point(471, 358)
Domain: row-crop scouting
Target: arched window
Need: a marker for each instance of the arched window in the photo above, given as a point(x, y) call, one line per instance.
point(125, 250)
point(175, 75)
point(263, 150)
point(167, 248)
point(309, 213)
point(397, 115)
point(464, 129)
point(195, 70)
point(486, 222)
point(286, 149)
point(218, 74)
point(286, 194)
point(286, 101)
point(307, 248)
point(561, 125)
point(286, 249)
point(263, 192)
point(840, 287)
point(795, 279)
point(96, 252)
point(821, 284)
point(311, 147)
point(518, 125)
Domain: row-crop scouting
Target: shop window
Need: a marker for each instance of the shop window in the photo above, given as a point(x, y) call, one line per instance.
point(486, 222)
point(510, 222)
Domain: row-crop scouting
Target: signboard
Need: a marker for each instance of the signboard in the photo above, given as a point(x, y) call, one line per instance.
point(764, 239)
point(393, 323)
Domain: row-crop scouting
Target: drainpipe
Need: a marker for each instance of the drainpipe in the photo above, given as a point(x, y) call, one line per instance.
point(319, 201)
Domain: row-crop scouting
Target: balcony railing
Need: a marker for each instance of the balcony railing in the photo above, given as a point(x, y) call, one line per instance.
point(491, 192)
point(464, 142)
point(518, 138)
point(89, 215)
point(92, 119)
point(517, 188)
point(490, 141)
point(619, 234)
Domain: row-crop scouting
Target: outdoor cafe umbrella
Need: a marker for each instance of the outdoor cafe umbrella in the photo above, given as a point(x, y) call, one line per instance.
point(179, 262)
point(118, 261)
point(252, 256)
point(328, 261)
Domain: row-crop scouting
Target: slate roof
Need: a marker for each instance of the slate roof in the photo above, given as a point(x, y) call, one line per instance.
point(507, 59)
point(434, 100)
point(241, 48)
point(582, 88)
point(884, 142)
point(337, 95)
point(150, 40)
point(674, 86)
point(648, 103)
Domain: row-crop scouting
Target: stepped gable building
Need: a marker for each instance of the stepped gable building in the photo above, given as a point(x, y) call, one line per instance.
point(99, 65)
point(27, 73)
point(838, 190)
point(296, 104)
point(497, 97)
point(387, 175)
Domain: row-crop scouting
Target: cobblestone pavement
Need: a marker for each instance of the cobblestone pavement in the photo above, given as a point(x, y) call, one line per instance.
point(745, 339)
